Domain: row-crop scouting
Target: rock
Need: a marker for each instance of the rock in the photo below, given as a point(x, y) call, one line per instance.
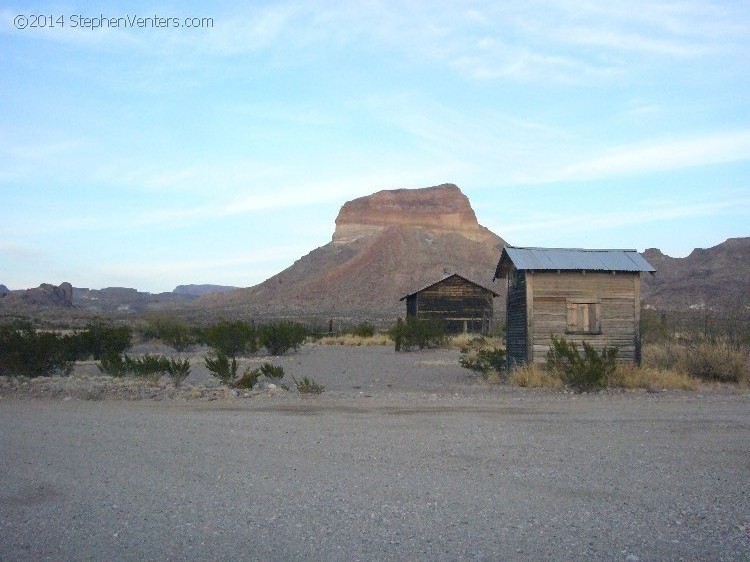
point(440, 208)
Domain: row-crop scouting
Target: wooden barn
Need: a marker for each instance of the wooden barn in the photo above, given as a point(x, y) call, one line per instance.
point(581, 295)
point(462, 305)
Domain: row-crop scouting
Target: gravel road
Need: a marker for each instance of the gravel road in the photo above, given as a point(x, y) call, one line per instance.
point(418, 473)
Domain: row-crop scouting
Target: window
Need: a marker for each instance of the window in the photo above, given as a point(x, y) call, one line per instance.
point(584, 316)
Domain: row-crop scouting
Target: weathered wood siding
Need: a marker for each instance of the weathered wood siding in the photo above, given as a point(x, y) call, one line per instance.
point(461, 305)
point(515, 318)
point(617, 296)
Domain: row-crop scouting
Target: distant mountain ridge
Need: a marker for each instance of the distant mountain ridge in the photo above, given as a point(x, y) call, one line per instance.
point(717, 277)
point(385, 246)
point(200, 290)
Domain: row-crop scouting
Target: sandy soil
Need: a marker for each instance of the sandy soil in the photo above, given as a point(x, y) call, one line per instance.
point(404, 457)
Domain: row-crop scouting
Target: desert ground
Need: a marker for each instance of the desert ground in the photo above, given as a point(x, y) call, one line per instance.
point(405, 457)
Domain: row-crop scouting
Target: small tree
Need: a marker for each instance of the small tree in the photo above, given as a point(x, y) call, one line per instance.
point(582, 373)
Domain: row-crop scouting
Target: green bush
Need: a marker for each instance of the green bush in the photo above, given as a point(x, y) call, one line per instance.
point(280, 337)
point(147, 366)
point(364, 330)
point(178, 335)
point(272, 371)
point(231, 338)
point(248, 379)
point(419, 333)
point(582, 373)
point(114, 365)
point(151, 367)
point(482, 359)
point(220, 366)
point(98, 339)
point(26, 352)
point(178, 370)
point(309, 386)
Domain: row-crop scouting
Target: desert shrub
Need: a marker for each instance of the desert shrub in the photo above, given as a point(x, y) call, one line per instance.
point(178, 370)
point(708, 361)
point(98, 339)
point(114, 365)
point(418, 333)
point(26, 352)
point(364, 330)
point(582, 373)
point(271, 371)
point(280, 337)
point(176, 334)
point(479, 356)
point(231, 338)
point(534, 375)
point(248, 379)
point(309, 386)
point(150, 367)
point(220, 366)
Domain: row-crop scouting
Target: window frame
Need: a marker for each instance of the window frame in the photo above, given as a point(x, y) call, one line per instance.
point(583, 316)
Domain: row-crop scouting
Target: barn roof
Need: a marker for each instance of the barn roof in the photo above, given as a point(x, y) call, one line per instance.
point(571, 259)
point(448, 277)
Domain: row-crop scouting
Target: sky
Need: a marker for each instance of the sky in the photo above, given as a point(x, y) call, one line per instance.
point(149, 145)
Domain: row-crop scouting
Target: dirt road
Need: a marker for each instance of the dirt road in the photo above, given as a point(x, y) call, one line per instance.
point(407, 475)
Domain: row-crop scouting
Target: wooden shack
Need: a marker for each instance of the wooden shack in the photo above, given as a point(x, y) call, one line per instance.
point(581, 295)
point(462, 305)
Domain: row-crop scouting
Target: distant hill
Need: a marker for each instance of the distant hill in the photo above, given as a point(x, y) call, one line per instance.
point(200, 290)
point(717, 277)
point(45, 295)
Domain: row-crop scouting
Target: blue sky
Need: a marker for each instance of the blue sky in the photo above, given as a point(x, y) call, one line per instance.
point(148, 157)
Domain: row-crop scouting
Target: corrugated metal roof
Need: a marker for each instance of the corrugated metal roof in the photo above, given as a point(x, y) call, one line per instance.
point(448, 276)
point(571, 259)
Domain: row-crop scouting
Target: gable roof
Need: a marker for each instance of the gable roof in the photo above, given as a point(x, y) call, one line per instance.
point(448, 277)
point(571, 259)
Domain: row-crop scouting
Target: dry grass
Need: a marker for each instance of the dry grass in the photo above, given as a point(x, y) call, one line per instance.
point(535, 376)
point(351, 339)
point(652, 379)
point(707, 361)
point(461, 341)
point(626, 376)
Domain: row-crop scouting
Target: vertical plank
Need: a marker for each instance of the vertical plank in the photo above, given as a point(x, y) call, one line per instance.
point(529, 316)
point(637, 317)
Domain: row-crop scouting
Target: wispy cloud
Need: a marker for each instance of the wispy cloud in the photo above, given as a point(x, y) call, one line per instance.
point(650, 156)
point(555, 225)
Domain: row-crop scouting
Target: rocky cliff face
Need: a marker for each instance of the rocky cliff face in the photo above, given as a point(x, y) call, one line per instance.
point(443, 208)
point(44, 296)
